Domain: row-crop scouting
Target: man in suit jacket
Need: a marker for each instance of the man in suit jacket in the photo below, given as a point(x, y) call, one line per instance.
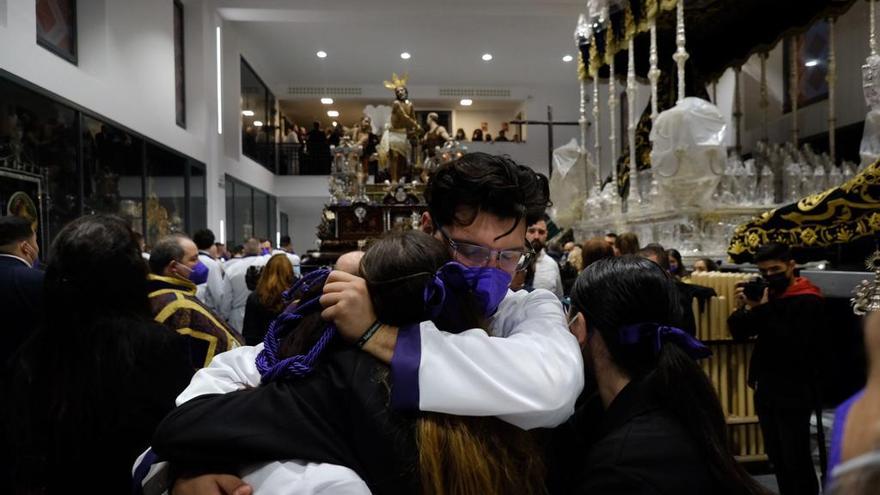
point(21, 285)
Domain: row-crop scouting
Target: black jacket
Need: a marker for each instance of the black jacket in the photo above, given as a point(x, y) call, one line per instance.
point(121, 380)
point(634, 447)
point(256, 320)
point(785, 360)
point(21, 303)
point(339, 415)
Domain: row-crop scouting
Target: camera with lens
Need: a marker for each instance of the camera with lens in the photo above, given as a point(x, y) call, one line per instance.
point(754, 289)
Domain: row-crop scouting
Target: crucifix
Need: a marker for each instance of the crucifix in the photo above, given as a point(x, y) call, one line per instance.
point(549, 123)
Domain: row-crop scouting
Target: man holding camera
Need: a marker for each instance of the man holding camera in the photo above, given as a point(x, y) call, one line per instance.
point(786, 313)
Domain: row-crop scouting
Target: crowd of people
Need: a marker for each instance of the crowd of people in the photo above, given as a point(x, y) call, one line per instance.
point(468, 356)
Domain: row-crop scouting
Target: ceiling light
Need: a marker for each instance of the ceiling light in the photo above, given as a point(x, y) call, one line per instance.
point(332, 113)
point(487, 57)
point(567, 58)
point(466, 102)
point(247, 113)
point(405, 55)
point(812, 63)
point(258, 123)
point(327, 101)
point(321, 54)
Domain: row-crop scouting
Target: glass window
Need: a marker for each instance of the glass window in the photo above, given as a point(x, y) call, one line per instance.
point(258, 119)
point(112, 172)
point(261, 216)
point(166, 193)
point(272, 220)
point(249, 213)
point(38, 156)
point(198, 201)
point(284, 221)
point(244, 213)
point(231, 238)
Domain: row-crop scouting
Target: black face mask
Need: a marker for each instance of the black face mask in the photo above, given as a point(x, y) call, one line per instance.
point(778, 282)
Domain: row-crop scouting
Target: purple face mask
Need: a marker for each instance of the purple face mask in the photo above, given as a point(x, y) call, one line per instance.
point(265, 251)
point(447, 294)
point(198, 274)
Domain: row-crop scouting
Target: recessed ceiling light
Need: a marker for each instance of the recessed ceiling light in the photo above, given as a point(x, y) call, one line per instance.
point(327, 101)
point(247, 113)
point(258, 123)
point(487, 57)
point(321, 54)
point(405, 55)
point(812, 63)
point(567, 58)
point(332, 113)
point(466, 102)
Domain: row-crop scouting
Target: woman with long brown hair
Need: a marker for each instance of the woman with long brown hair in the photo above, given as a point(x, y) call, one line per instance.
point(324, 401)
point(265, 302)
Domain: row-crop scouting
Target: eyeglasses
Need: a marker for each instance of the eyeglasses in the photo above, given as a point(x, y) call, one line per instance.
point(509, 260)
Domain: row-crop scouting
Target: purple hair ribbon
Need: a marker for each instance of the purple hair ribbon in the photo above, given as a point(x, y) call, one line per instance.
point(658, 334)
point(435, 296)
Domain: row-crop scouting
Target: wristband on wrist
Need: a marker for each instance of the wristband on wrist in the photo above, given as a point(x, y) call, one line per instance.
point(369, 333)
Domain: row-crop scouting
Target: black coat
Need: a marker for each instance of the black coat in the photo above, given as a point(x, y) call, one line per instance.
point(257, 319)
point(786, 358)
point(21, 304)
point(635, 447)
point(119, 380)
point(339, 415)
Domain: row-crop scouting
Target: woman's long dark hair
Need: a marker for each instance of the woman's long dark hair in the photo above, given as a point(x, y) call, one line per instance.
point(615, 292)
point(457, 454)
point(95, 286)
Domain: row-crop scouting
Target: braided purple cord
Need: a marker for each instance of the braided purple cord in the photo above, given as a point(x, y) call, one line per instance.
point(299, 365)
point(304, 283)
point(267, 362)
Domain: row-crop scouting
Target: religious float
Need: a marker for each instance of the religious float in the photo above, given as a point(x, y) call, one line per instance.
point(676, 180)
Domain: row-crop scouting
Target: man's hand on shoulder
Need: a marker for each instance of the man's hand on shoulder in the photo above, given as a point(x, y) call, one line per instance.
point(347, 304)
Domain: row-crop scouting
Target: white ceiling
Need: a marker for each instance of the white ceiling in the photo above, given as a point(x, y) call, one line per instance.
point(364, 39)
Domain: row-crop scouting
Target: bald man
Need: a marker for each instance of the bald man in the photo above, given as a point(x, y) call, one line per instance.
point(350, 262)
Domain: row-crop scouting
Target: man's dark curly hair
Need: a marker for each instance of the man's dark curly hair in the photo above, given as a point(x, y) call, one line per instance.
point(480, 182)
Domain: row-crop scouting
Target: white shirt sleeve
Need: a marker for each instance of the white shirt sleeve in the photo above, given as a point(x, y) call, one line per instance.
point(229, 371)
point(529, 374)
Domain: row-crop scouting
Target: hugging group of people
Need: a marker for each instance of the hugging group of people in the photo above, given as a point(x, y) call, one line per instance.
point(414, 369)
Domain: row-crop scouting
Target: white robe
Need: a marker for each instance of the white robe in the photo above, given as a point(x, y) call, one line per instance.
point(211, 292)
point(547, 274)
point(235, 291)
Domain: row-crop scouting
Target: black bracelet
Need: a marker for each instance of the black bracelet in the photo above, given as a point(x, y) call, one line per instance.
point(369, 333)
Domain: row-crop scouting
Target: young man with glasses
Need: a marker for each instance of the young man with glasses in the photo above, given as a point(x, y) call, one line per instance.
point(480, 206)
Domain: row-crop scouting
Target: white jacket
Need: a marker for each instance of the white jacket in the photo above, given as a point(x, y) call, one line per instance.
point(211, 292)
